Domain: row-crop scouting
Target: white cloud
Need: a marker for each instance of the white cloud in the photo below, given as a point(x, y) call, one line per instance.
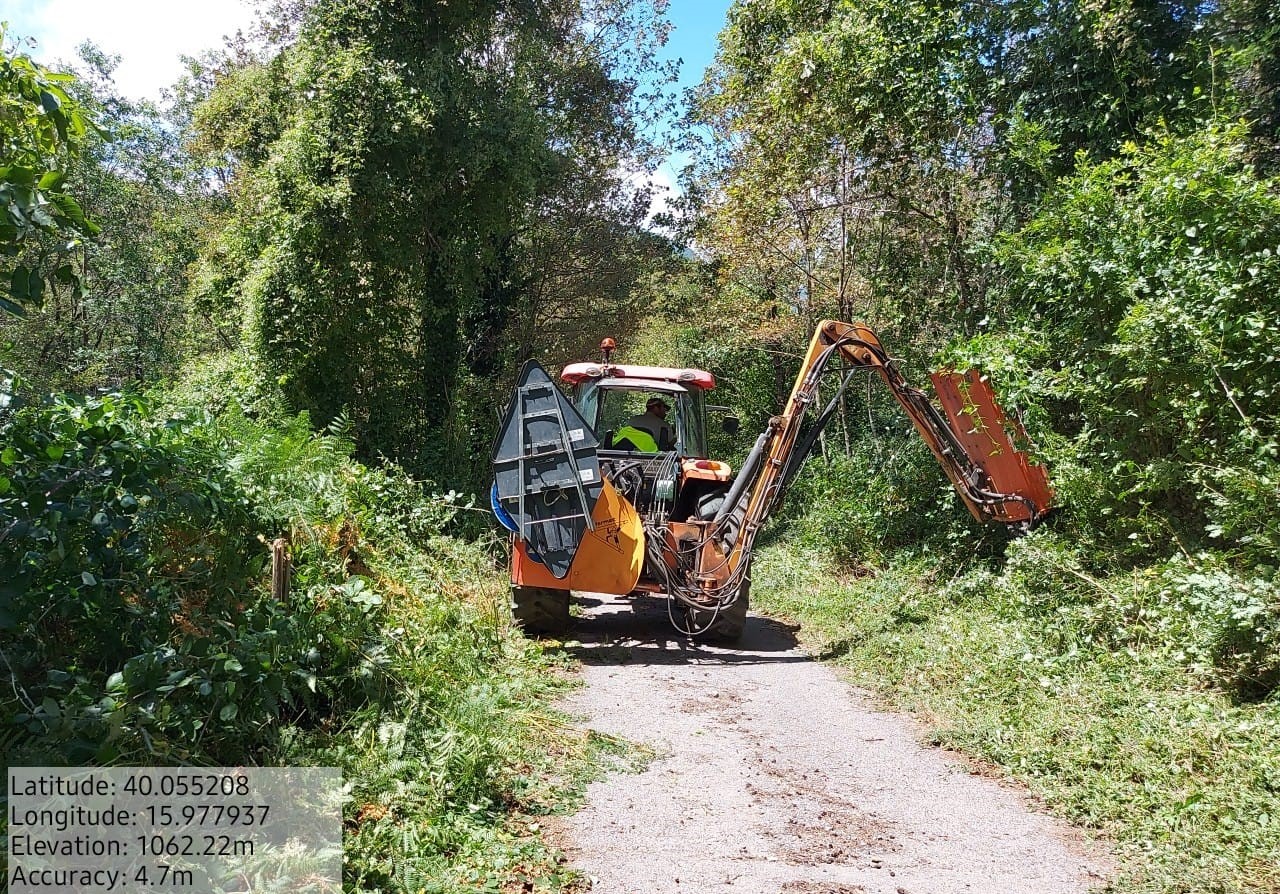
point(148, 35)
point(665, 189)
point(662, 184)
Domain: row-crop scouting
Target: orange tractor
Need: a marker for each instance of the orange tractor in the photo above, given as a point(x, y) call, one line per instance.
point(595, 504)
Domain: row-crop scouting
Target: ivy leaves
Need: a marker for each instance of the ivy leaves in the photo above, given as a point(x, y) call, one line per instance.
point(394, 168)
point(41, 127)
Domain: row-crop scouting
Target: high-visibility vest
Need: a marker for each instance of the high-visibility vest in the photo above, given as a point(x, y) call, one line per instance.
point(642, 440)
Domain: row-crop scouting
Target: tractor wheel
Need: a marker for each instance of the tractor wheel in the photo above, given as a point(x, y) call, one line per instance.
point(729, 623)
point(540, 609)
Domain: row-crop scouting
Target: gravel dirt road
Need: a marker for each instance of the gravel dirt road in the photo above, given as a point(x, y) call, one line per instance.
point(775, 777)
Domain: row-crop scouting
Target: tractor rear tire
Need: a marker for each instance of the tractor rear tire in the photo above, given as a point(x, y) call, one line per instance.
point(729, 623)
point(540, 609)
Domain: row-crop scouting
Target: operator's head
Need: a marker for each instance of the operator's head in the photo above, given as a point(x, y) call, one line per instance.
point(658, 407)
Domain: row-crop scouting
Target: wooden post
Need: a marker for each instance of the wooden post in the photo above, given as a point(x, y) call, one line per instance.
point(280, 569)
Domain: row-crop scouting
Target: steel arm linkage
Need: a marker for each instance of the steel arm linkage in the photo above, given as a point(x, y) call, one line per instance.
point(783, 447)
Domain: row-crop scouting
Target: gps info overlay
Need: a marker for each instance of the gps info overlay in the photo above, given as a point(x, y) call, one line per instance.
point(171, 829)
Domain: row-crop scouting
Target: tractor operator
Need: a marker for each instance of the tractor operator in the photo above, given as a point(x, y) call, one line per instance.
point(649, 431)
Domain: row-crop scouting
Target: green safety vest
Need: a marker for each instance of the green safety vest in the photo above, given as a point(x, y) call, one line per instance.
point(642, 440)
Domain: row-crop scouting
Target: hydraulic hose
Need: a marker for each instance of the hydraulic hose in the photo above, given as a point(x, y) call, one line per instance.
point(744, 476)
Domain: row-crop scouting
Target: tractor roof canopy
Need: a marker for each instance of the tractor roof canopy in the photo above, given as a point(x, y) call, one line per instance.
point(630, 383)
point(576, 373)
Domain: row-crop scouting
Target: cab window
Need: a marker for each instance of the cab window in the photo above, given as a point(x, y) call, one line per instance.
point(611, 408)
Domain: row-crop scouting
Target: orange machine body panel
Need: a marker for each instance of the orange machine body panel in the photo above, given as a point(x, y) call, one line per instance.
point(992, 439)
point(705, 470)
point(608, 560)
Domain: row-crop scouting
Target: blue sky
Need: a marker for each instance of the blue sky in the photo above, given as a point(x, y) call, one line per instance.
point(696, 25)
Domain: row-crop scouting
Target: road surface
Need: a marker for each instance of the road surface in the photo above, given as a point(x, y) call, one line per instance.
point(776, 777)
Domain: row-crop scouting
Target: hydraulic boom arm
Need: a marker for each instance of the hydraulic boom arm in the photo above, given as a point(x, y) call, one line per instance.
point(992, 476)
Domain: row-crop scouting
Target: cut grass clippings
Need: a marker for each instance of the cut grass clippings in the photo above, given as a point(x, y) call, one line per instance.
point(1123, 740)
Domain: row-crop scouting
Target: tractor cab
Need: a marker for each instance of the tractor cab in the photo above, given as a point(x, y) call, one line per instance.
point(610, 395)
point(612, 404)
point(667, 477)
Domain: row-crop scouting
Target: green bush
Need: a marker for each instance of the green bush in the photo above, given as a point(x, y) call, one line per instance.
point(223, 382)
point(1219, 622)
point(1234, 621)
point(149, 635)
point(116, 531)
point(137, 620)
point(137, 617)
point(1140, 335)
point(889, 495)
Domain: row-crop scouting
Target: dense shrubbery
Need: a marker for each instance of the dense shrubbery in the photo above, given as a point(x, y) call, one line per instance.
point(890, 495)
point(1141, 340)
point(134, 562)
point(118, 532)
point(1141, 344)
point(1197, 611)
point(139, 626)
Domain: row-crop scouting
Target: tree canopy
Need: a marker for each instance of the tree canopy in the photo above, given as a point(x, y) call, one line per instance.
point(42, 128)
point(392, 163)
point(276, 306)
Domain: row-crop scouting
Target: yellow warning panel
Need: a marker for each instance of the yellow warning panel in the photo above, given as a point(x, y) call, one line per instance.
point(609, 559)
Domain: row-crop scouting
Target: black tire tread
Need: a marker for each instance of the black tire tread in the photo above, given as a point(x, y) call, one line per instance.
point(729, 624)
point(538, 610)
